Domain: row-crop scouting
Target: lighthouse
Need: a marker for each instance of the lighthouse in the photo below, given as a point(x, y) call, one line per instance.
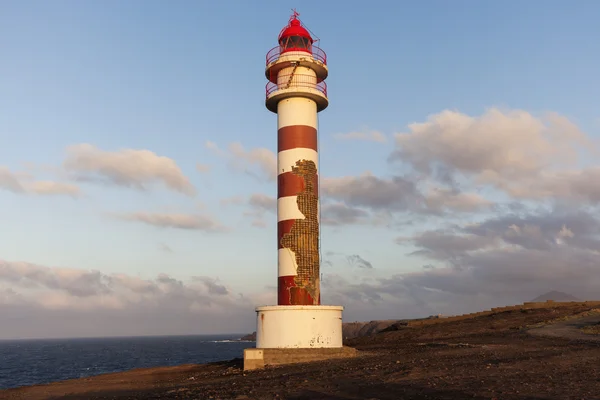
point(296, 91)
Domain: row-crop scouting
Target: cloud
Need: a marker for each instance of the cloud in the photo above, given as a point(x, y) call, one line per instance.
point(357, 261)
point(569, 185)
point(131, 168)
point(367, 190)
point(524, 156)
point(443, 245)
point(57, 188)
point(258, 206)
point(458, 164)
point(492, 210)
point(244, 160)
point(373, 136)
point(24, 184)
point(443, 199)
point(263, 202)
point(76, 283)
point(8, 181)
point(74, 302)
point(338, 214)
point(214, 288)
point(202, 168)
point(528, 223)
point(368, 199)
point(399, 194)
point(213, 146)
point(176, 220)
point(510, 143)
point(518, 256)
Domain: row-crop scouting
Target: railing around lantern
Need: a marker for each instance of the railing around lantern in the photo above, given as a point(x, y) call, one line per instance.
point(316, 52)
point(291, 81)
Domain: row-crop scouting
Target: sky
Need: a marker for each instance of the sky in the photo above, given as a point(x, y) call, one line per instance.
point(458, 160)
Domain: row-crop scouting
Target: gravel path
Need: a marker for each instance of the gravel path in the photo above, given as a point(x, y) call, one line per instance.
point(570, 329)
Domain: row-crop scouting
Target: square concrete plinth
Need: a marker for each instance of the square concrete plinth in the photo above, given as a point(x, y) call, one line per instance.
point(259, 358)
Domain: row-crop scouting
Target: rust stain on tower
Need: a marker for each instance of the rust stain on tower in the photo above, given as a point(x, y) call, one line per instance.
point(303, 238)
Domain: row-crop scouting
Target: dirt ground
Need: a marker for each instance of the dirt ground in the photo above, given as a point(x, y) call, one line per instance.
point(515, 354)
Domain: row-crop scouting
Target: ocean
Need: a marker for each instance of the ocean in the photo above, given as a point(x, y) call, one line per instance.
point(29, 362)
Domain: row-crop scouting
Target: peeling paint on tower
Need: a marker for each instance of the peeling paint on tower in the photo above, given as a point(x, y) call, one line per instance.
point(303, 238)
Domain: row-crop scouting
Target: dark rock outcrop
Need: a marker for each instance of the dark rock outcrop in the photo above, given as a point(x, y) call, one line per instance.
point(250, 337)
point(352, 330)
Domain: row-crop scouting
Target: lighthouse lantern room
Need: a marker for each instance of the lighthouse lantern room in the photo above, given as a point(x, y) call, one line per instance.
point(296, 65)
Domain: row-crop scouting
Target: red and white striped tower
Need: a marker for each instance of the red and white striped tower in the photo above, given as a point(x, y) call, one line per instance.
point(296, 91)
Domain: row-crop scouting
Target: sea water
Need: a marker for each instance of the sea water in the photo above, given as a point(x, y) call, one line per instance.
point(29, 362)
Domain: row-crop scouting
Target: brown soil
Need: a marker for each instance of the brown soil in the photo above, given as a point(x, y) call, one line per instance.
point(489, 357)
point(591, 330)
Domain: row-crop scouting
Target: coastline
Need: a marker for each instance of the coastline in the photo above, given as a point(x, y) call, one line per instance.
point(491, 355)
point(42, 361)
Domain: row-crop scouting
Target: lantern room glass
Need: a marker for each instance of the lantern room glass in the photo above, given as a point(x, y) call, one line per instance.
point(295, 43)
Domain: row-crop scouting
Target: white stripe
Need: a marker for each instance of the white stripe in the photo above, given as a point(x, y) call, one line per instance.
point(286, 263)
point(287, 159)
point(287, 208)
point(296, 111)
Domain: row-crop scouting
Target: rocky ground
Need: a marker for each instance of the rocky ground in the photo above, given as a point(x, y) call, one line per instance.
point(520, 354)
point(592, 330)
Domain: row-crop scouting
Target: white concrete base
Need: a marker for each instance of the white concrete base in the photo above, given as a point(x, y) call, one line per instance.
point(299, 327)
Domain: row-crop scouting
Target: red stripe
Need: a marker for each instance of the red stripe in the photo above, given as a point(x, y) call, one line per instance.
point(297, 136)
point(283, 227)
point(290, 184)
point(289, 294)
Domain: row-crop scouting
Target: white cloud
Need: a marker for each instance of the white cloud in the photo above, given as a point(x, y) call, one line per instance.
point(244, 160)
point(259, 205)
point(50, 187)
point(510, 143)
point(23, 183)
point(513, 151)
point(442, 198)
point(176, 220)
point(263, 202)
point(338, 213)
point(203, 168)
point(75, 302)
point(368, 190)
point(126, 167)
point(8, 181)
point(505, 204)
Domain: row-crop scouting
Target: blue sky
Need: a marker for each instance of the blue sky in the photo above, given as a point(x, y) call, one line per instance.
point(169, 78)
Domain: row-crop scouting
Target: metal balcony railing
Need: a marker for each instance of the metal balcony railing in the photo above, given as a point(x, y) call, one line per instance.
point(291, 81)
point(317, 53)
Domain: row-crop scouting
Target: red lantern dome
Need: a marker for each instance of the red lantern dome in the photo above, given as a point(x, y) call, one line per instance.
point(296, 48)
point(294, 37)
